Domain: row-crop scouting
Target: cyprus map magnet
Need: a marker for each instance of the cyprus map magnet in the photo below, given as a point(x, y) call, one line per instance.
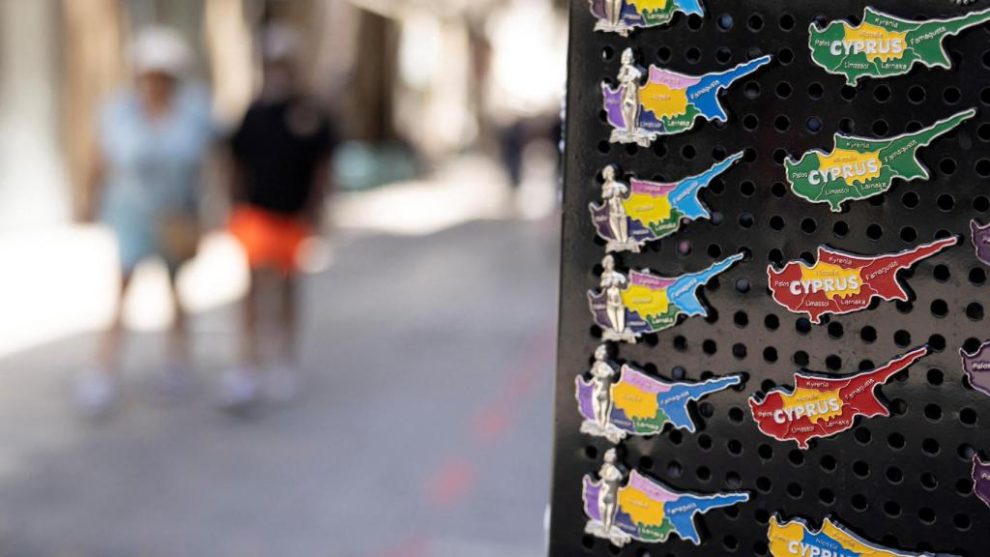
point(615, 404)
point(822, 405)
point(624, 16)
point(795, 538)
point(884, 45)
point(644, 509)
point(631, 216)
point(981, 480)
point(980, 236)
point(860, 168)
point(976, 366)
point(669, 103)
point(841, 282)
point(627, 309)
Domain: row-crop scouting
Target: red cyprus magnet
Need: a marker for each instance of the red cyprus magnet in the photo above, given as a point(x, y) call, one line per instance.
point(843, 282)
point(822, 406)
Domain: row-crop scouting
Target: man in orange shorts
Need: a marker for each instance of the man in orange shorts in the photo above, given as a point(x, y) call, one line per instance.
point(281, 155)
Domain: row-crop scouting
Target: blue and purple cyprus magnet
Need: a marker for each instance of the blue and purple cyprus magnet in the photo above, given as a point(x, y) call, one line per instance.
point(630, 216)
point(669, 103)
point(624, 16)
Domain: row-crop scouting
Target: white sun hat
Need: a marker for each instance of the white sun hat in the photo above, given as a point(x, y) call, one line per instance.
point(160, 49)
point(280, 42)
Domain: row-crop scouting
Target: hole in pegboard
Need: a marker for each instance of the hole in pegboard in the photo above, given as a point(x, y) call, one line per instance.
point(815, 91)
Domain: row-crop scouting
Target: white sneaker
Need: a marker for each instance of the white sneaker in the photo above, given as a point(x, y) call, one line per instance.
point(282, 383)
point(239, 388)
point(95, 392)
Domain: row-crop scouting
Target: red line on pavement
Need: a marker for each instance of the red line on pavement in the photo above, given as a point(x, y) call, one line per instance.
point(415, 546)
point(493, 421)
point(451, 484)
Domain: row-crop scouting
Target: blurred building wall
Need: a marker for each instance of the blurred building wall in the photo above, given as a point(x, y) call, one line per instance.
point(229, 50)
point(92, 64)
point(32, 185)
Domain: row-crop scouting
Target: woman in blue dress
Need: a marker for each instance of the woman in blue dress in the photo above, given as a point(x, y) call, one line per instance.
point(151, 143)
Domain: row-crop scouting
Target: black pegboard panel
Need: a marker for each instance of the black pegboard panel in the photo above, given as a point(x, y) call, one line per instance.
point(901, 481)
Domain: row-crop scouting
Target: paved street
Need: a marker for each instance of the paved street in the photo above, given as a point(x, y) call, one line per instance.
point(424, 429)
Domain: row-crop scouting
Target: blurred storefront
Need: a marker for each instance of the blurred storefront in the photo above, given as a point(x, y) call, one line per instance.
point(411, 82)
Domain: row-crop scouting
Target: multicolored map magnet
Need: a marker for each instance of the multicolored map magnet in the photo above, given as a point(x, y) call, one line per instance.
point(860, 168)
point(644, 509)
point(884, 45)
point(980, 236)
point(623, 16)
point(976, 366)
point(637, 404)
point(627, 309)
point(981, 480)
point(631, 216)
point(796, 538)
point(669, 103)
point(842, 282)
point(821, 406)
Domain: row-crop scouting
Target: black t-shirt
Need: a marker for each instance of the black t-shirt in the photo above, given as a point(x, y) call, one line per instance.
point(279, 147)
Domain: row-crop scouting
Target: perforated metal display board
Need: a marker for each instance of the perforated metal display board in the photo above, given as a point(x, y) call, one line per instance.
point(901, 481)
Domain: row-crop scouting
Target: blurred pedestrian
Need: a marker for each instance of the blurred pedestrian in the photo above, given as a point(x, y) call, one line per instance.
point(151, 142)
point(281, 153)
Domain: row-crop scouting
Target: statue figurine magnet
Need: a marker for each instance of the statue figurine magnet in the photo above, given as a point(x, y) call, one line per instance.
point(644, 303)
point(644, 509)
point(630, 216)
point(669, 102)
point(618, 403)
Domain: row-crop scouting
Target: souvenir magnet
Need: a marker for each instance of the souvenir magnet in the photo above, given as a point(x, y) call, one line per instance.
point(615, 404)
point(669, 103)
point(795, 538)
point(981, 480)
point(981, 240)
point(623, 16)
point(885, 46)
point(841, 282)
point(860, 168)
point(976, 366)
point(644, 509)
point(627, 309)
point(631, 216)
point(821, 405)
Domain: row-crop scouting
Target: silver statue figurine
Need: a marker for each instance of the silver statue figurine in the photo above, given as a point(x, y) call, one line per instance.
point(615, 193)
point(611, 476)
point(603, 377)
point(613, 19)
point(629, 78)
point(612, 284)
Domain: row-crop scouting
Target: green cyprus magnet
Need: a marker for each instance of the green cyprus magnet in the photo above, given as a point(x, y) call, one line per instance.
point(884, 45)
point(859, 168)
